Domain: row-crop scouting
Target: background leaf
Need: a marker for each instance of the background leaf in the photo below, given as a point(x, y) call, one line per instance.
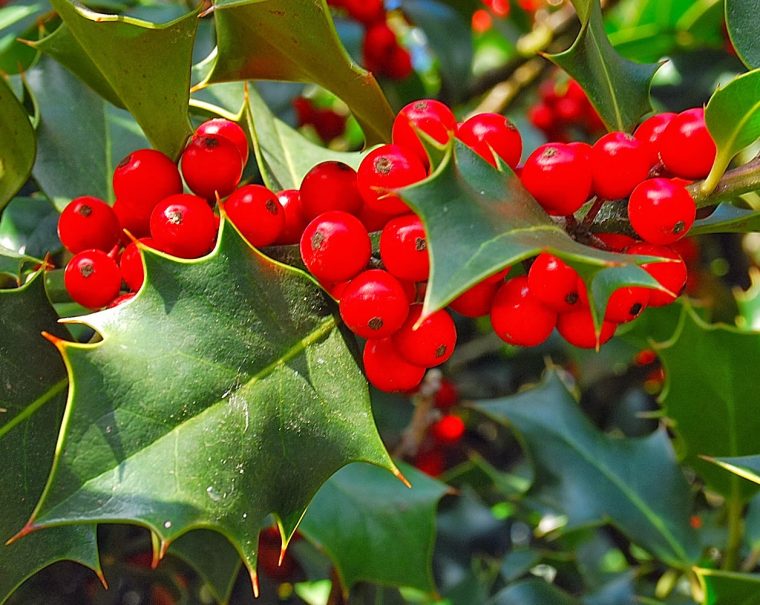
point(746, 467)
point(374, 528)
point(532, 592)
point(726, 588)
point(741, 21)
point(32, 395)
point(30, 226)
point(727, 218)
point(295, 40)
point(19, 146)
point(248, 401)
point(635, 483)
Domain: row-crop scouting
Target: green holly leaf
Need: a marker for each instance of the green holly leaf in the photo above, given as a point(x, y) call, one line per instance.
point(741, 22)
point(729, 588)
point(223, 392)
point(19, 146)
point(634, 483)
point(746, 467)
point(30, 225)
point(710, 394)
point(618, 88)
point(733, 118)
point(116, 56)
point(294, 40)
point(727, 218)
point(376, 529)
point(532, 592)
point(479, 220)
point(284, 155)
point(32, 398)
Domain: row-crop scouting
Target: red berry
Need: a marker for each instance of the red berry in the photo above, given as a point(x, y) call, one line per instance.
point(432, 117)
point(131, 264)
point(329, 124)
point(132, 218)
point(335, 246)
point(542, 117)
point(122, 298)
point(617, 242)
point(144, 178)
point(372, 219)
point(211, 165)
point(619, 162)
point(650, 131)
point(295, 221)
point(554, 283)
point(387, 370)
point(428, 344)
point(448, 430)
point(431, 462)
point(379, 48)
point(447, 395)
point(626, 304)
point(518, 317)
point(330, 186)
point(577, 328)
point(660, 211)
point(87, 222)
point(399, 64)
point(386, 168)
point(491, 135)
point(92, 278)
point(230, 131)
point(403, 248)
point(686, 147)
point(374, 304)
point(671, 275)
point(257, 214)
point(366, 11)
point(183, 225)
point(559, 177)
point(477, 301)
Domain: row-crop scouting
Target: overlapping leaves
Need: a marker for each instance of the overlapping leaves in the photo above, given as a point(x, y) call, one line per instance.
point(18, 147)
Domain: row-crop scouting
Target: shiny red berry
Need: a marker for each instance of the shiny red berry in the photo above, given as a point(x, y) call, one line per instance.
point(577, 328)
point(384, 169)
point(428, 344)
point(403, 248)
point(619, 162)
point(559, 177)
point(554, 283)
point(335, 246)
point(518, 317)
point(387, 370)
point(660, 211)
point(626, 304)
point(650, 131)
point(230, 131)
point(330, 186)
point(257, 214)
point(447, 395)
point(184, 226)
point(87, 222)
point(671, 275)
point(295, 221)
point(365, 11)
point(432, 117)
point(133, 219)
point(542, 117)
point(477, 301)
point(491, 135)
point(374, 304)
point(448, 430)
point(211, 165)
point(92, 278)
point(131, 264)
point(383, 54)
point(686, 147)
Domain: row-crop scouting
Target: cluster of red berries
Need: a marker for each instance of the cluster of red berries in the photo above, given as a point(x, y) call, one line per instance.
point(382, 53)
point(564, 112)
point(482, 18)
point(326, 122)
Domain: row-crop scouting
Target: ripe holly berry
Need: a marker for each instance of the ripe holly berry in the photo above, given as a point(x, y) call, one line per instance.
point(577, 328)
point(386, 168)
point(518, 317)
point(131, 218)
point(382, 53)
point(295, 221)
point(431, 462)
point(559, 177)
point(183, 225)
point(447, 395)
point(477, 301)
point(617, 242)
point(257, 214)
point(554, 283)
point(211, 165)
point(671, 275)
point(429, 344)
point(87, 222)
point(131, 264)
point(270, 548)
point(429, 116)
point(619, 162)
point(92, 278)
point(365, 11)
point(144, 178)
point(626, 304)
point(650, 131)
point(660, 211)
point(330, 186)
point(335, 246)
point(686, 147)
point(374, 304)
point(491, 135)
point(403, 248)
point(449, 430)
point(542, 117)
point(387, 370)
point(230, 131)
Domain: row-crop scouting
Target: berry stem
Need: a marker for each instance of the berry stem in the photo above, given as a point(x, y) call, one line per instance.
point(414, 433)
point(588, 218)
